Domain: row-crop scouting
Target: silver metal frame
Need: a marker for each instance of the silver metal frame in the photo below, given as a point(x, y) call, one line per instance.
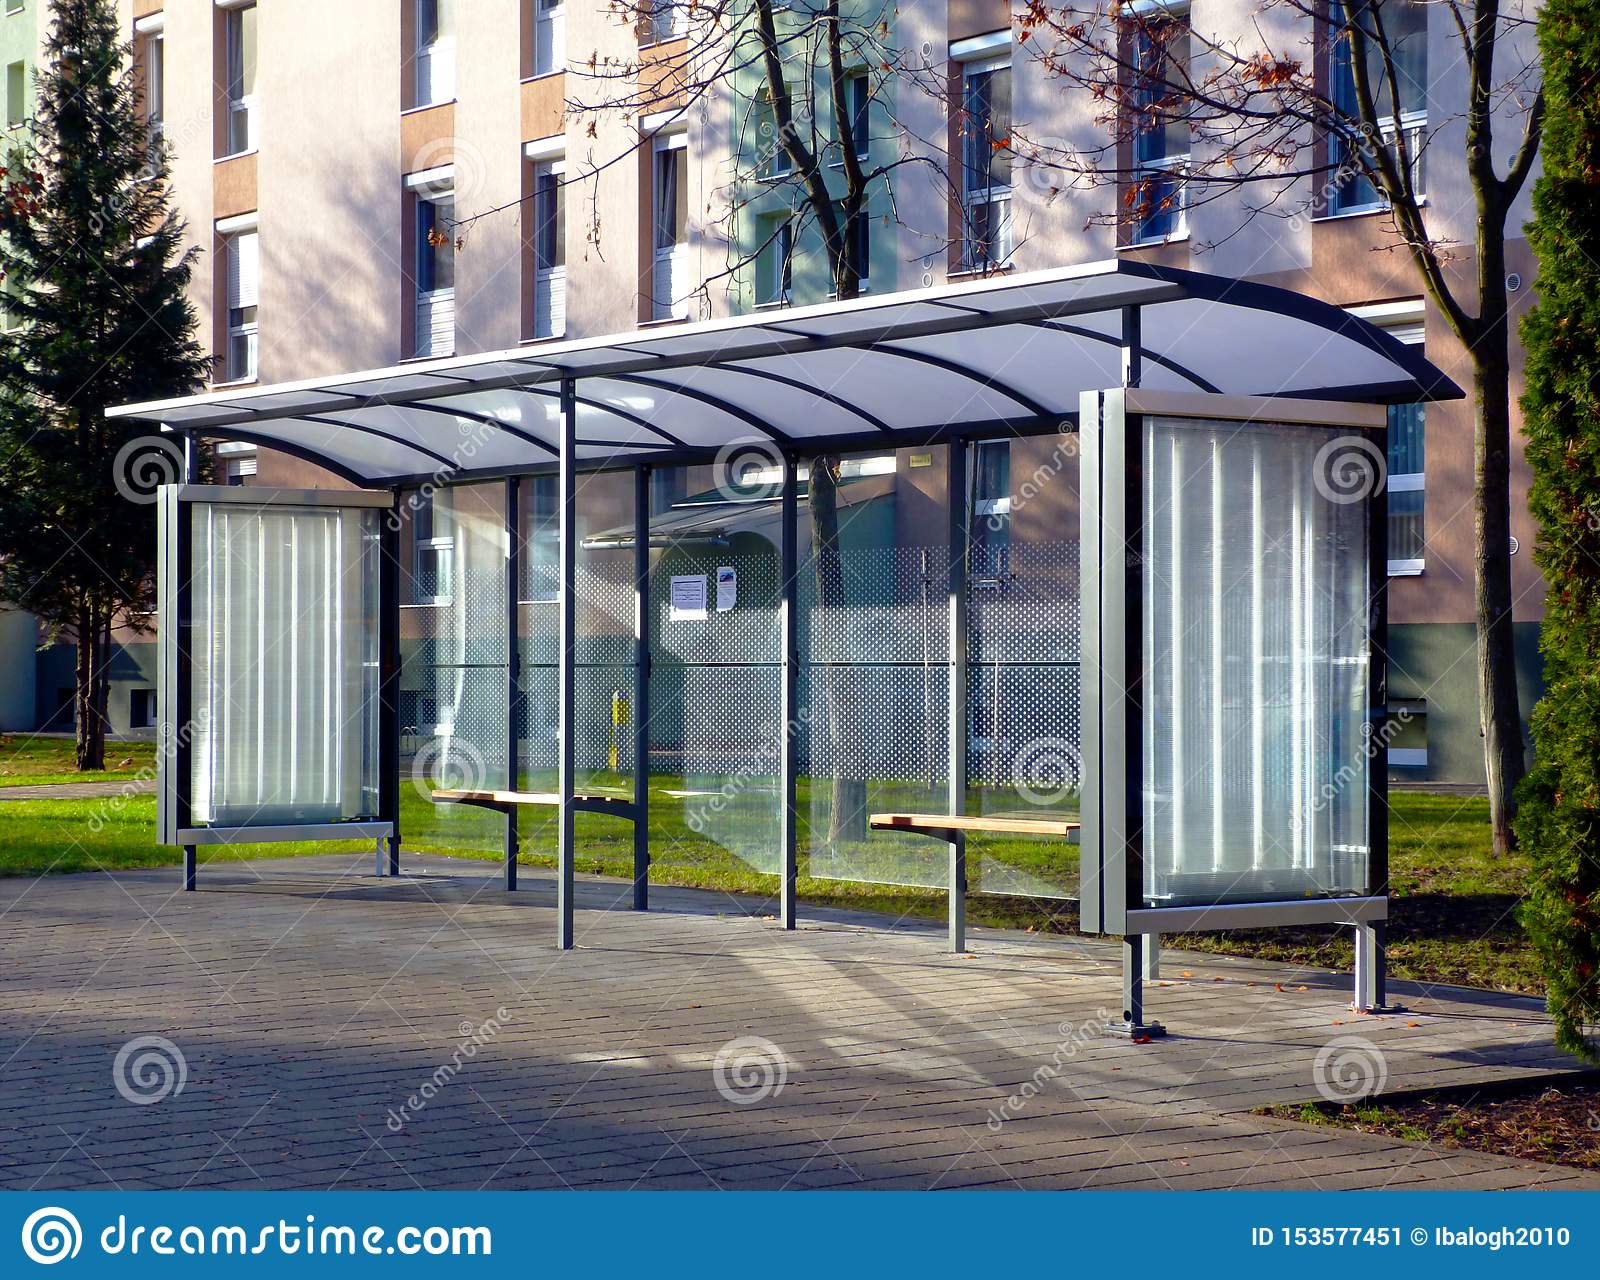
point(174, 560)
point(1111, 854)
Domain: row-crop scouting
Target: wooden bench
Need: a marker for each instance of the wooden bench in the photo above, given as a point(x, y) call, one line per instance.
point(508, 802)
point(952, 828)
point(944, 825)
point(504, 801)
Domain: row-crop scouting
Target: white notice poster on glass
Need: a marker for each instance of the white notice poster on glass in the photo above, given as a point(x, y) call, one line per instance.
point(688, 597)
point(727, 587)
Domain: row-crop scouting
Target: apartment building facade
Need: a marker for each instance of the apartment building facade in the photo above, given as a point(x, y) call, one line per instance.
point(381, 180)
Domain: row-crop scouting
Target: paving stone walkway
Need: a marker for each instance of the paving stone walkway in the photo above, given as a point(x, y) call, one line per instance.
point(332, 1030)
point(79, 790)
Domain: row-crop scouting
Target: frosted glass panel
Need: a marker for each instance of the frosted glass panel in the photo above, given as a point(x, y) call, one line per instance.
point(285, 665)
point(1255, 666)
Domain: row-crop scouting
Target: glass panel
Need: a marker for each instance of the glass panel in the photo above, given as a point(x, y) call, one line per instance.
point(715, 729)
point(1256, 655)
point(875, 664)
point(1405, 525)
point(453, 648)
point(1024, 728)
point(1407, 437)
point(285, 674)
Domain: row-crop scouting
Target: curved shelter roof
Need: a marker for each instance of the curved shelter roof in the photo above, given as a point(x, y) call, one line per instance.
point(1008, 353)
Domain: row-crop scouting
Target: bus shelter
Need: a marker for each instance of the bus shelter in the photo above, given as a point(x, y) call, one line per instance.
point(1067, 585)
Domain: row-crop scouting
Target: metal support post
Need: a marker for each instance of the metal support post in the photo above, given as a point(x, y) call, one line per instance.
point(789, 697)
point(641, 688)
point(960, 552)
point(513, 843)
point(566, 657)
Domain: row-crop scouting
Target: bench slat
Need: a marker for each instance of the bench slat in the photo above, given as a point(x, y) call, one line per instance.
point(965, 822)
point(520, 797)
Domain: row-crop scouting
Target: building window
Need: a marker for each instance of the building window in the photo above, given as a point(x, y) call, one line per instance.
point(141, 708)
point(775, 264)
point(242, 254)
point(986, 163)
point(436, 52)
point(433, 554)
point(549, 249)
point(669, 19)
point(434, 270)
point(858, 248)
point(16, 94)
point(858, 99)
point(549, 36)
point(15, 6)
point(153, 62)
point(243, 112)
point(1160, 131)
point(544, 539)
point(774, 160)
point(1404, 24)
point(991, 512)
point(669, 283)
point(240, 471)
point(1406, 460)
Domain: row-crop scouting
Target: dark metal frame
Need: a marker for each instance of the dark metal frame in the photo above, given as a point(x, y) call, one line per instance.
point(175, 560)
point(1111, 882)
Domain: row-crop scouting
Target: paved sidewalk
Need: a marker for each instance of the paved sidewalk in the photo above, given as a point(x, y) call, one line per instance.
point(79, 790)
point(332, 1030)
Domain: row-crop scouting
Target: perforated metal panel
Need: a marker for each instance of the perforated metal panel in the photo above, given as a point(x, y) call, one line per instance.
point(454, 645)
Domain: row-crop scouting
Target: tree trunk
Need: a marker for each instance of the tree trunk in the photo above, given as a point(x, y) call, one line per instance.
point(1504, 753)
point(847, 817)
point(90, 691)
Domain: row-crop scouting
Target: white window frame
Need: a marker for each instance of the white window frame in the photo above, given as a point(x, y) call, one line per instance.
point(153, 49)
point(549, 37)
point(428, 58)
point(431, 186)
point(443, 546)
point(232, 231)
point(778, 262)
point(677, 255)
point(669, 20)
point(852, 78)
point(1405, 322)
point(20, 118)
point(981, 58)
point(1175, 164)
point(777, 165)
point(246, 105)
point(548, 282)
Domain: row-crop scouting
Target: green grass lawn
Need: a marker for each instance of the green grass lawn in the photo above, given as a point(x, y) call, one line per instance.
point(1452, 913)
point(27, 761)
